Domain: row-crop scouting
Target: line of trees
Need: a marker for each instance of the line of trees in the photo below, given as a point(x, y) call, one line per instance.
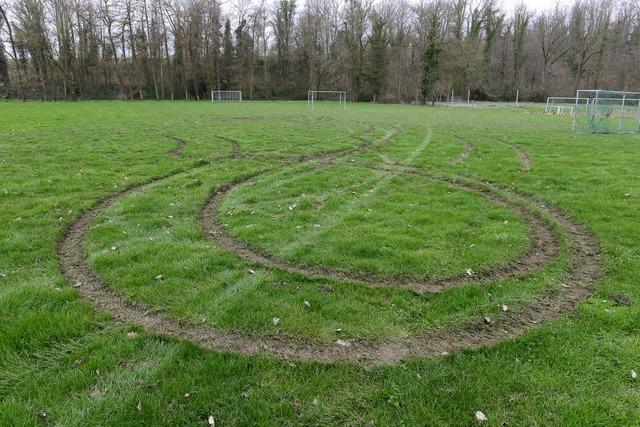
point(384, 50)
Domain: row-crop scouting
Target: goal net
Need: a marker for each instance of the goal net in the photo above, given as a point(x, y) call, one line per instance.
point(226, 95)
point(565, 105)
point(457, 100)
point(327, 97)
point(609, 111)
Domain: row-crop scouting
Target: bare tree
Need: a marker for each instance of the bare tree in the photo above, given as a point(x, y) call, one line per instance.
point(588, 26)
point(13, 53)
point(375, 49)
point(551, 31)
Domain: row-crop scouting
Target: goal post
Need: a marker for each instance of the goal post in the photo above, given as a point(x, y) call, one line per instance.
point(226, 95)
point(329, 96)
point(562, 105)
point(608, 111)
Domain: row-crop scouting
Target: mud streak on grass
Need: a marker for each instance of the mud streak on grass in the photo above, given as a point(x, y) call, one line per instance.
point(583, 273)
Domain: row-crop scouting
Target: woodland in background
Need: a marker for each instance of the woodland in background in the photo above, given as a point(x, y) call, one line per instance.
point(384, 51)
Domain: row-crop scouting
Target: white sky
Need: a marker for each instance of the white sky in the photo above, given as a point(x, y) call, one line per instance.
point(230, 6)
point(536, 5)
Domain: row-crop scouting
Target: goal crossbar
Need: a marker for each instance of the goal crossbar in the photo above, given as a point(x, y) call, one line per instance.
point(558, 104)
point(226, 95)
point(312, 97)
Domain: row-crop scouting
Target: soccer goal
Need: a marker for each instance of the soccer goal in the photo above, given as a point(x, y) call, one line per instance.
point(609, 111)
point(319, 97)
point(226, 95)
point(565, 105)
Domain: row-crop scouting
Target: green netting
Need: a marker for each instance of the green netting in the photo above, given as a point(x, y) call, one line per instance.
point(608, 111)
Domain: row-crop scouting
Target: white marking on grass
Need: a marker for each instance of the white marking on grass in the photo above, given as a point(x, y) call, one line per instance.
point(308, 238)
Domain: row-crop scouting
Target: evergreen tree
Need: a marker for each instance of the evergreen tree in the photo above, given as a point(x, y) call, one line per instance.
point(431, 58)
point(378, 53)
point(244, 45)
point(215, 54)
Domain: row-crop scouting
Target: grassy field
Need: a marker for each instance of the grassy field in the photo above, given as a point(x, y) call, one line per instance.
point(326, 215)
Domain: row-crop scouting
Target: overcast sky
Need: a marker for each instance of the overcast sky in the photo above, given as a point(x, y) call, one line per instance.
point(536, 5)
point(505, 5)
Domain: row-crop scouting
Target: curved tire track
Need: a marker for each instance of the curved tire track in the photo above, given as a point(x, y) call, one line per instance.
point(525, 160)
point(468, 150)
point(235, 145)
point(181, 143)
point(581, 277)
point(544, 248)
point(583, 274)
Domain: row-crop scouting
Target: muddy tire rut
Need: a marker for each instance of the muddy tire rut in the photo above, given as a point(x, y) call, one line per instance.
point(468, 150)
point(544, 246)
point(180, 145)
point(235, 145)
point(525, 160)
point(558, 299)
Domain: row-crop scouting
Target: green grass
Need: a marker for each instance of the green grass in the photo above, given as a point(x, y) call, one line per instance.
point(412, 227)
point(58, 356)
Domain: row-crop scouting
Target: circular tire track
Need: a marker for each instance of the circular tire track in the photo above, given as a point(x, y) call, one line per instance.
point(525, 160)
point(468, 150)
point(235, 145)
point(583, 273)
point(544, 248)
point(181, 143)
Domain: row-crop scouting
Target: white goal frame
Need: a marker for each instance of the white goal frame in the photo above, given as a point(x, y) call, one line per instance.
point(563, 104)
point(610, 111)
point(226, 95)
point(312, 97)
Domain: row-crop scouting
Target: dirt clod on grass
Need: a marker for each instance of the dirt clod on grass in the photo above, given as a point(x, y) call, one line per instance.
point(621, 299)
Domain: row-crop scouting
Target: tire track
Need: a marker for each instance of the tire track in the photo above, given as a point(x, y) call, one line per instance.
point(525, 160)
point(582, 275)
point(235, 145)
point(544, 247)
point(468, 150)
point(181, 144)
